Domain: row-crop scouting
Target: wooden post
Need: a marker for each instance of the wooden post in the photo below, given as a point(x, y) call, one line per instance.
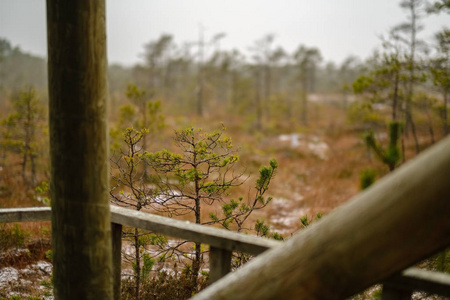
point(81, 227)
point(219, 263)
point(398, 221)
point(391, 292)
point(117, 258)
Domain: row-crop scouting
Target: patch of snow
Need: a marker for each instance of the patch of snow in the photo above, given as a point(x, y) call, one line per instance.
point(314, 98)
point(286, 217)
point(173, 243)
point(314, 144)
point(44, 200)
point(297, 197)
point(284, 137)
point(8, 275)
point(380, 106)
point(320, 149)
point(44, 266)
point(127, 274)
point(162, 199)
point(169, 271)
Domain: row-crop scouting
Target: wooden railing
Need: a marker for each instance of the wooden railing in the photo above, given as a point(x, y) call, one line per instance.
point(401, 220)
point(222, 243)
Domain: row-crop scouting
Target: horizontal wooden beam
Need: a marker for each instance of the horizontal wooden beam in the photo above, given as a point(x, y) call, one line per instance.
point(219, 238)
point(25, 214)
point(400, 220)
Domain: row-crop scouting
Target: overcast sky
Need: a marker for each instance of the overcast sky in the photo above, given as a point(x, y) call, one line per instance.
point(337, 27)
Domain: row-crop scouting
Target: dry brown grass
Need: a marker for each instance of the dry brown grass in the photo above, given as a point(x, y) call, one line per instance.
point(305, 184)
point(321, 184)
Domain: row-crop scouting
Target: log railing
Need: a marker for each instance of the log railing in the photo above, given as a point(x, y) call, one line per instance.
point(222, 242)
point(401, 220)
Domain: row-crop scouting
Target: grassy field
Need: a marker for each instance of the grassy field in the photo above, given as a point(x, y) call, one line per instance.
point(319, 169)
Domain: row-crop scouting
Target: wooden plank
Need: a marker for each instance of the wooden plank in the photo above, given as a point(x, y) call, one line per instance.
point(400, 220)
point(219, 263)
point(219, 238)
point(25, 214)
point(414, 279)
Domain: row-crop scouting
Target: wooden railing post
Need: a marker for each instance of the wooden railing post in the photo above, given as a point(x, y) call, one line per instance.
point(116, 231)
point(78, 126)
point(223, 243)
point(392, 292)
point(219, 263)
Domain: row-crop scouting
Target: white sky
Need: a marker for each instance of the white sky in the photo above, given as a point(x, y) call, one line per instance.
point(337, 27)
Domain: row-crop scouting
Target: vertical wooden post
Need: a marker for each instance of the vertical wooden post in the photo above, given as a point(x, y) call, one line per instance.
point(219, 263)
point(391, 292)
point(81, 226)
point(117, 258)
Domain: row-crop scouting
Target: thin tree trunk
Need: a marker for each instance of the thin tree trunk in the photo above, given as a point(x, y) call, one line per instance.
point(24, 165)
point(81, 224)
point(395, 97)
point(413, 129)
point(32, 150)
point(305, 101)
point(445, 113)
point(234, 87)
point(258, 100)
point(200, 79)
point(409, 118)
point(267, 89)
point(33, 169)
point(27, 129)
point(403, 148)
point(430, 123)
point(197, 260)
point(144, 138)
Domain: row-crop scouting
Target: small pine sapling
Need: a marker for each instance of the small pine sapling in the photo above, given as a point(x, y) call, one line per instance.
point(237, 212)
point(201, 175)
point(391, 156)
point(129, 178)
point(305, 221)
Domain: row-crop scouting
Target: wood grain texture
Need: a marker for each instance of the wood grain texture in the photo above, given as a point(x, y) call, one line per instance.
point(219, 238)
point(81, 226)
point(397, 222)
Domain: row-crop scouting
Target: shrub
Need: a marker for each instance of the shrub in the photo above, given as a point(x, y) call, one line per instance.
point(12, 236)
point(367, 178)
point(163, 286)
